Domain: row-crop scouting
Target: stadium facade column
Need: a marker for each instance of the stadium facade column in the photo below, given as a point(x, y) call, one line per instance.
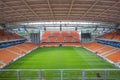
point(40, 75)
point(44, 28)
point(18, 75)
point(39, 37)
point(60, 27)
point(105, 75)
point(61, 74)
point(76, 28)
point(83, 74)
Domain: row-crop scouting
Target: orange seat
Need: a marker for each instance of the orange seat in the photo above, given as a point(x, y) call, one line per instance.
point(115, 57)
point(7, 56)
point(59, 37)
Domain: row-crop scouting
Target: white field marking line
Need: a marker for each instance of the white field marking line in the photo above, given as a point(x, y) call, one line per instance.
point(81, 56)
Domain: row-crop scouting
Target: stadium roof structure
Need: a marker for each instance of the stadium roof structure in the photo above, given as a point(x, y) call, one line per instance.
point(58, 10)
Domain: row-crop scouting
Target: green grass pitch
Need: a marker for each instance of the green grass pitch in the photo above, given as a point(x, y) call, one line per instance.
point(59, 58)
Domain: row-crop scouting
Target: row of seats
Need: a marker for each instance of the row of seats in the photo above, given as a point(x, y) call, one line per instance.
point(75, 34)
point(105, 51)
point(71, 44)
point(111, 35)
point(60, 39)
point(6, 56)
point(92, 45)
point(58, 33)
point(11, 53)
point(5, 36)
point(60, 36)
point(57, 44)
point(114, 57)
point(49, 44)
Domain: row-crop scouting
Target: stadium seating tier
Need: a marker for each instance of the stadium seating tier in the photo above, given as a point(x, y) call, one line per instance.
point(49, 38)
point(100, 49)
point(10, 53)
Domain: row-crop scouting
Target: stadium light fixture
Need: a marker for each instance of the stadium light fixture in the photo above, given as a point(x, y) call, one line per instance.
point(59, 22)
